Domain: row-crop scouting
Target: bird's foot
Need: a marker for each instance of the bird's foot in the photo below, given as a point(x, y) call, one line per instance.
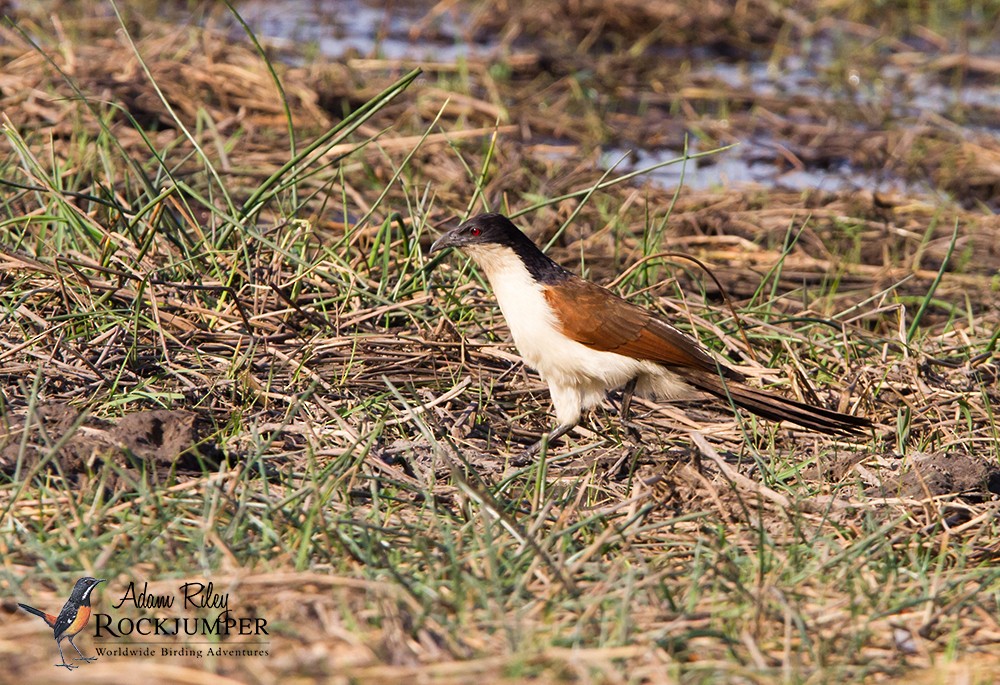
point(523, 459)
point(68, 667)
point(88, 659)
point(528, 455)
point(633, 430)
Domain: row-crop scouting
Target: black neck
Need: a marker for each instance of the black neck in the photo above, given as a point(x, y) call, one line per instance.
point(541, 268)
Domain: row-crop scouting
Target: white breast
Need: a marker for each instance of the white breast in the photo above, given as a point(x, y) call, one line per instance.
point(578, 376)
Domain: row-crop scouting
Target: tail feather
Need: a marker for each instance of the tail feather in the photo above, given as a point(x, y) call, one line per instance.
point(48, 618)
point(777, 408)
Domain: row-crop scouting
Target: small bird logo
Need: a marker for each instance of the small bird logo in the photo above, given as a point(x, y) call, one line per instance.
point(72, 619)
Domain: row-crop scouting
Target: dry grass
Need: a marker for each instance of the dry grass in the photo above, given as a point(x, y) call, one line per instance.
point(345, 409)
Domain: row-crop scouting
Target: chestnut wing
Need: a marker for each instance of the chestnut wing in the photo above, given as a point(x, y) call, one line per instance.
point(596, 317)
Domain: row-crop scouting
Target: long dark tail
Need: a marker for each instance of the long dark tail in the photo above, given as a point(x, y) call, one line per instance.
point(777, 408)
point(37, 612)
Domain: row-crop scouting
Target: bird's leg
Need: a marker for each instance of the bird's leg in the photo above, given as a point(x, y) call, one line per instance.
point(548, 439)
point(68, 667)
point(627, 392)
point(88, 659)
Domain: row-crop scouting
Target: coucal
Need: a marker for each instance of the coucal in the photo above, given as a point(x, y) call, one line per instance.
point(71, 619)
point(584, 340)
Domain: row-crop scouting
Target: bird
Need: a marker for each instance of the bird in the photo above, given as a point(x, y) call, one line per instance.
point(585, 340)
point(73, 618)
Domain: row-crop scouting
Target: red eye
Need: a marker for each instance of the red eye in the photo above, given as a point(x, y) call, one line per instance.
point(475, 231)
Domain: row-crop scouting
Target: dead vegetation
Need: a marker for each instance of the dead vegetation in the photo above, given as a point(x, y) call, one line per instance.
point(172, 337)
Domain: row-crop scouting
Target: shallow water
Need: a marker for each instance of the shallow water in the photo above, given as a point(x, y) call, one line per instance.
point(339, 28)
point(742, 166)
